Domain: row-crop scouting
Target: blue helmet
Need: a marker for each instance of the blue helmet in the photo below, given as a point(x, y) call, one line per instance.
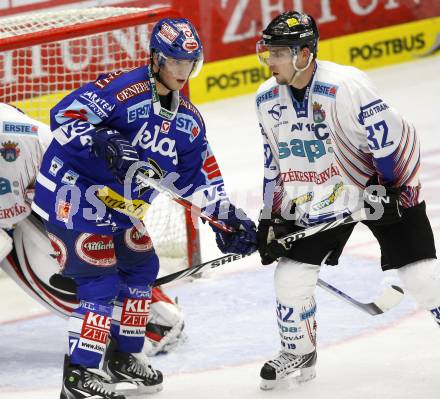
point(176, 38)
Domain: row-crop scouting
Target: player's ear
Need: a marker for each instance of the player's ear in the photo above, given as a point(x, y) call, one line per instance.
point(305, 52)
point(155, 59)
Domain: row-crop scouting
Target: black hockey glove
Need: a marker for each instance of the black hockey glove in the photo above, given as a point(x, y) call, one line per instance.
point(270, 228)
point(117, 151)
point(382, 204)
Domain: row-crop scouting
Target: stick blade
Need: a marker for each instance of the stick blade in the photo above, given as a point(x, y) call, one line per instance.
point(389, 299)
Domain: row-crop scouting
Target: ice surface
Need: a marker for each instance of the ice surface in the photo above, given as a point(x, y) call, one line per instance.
point(230, 317)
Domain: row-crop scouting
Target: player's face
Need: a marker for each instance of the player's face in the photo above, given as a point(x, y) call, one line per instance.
point(279, 59)
point(174, 73)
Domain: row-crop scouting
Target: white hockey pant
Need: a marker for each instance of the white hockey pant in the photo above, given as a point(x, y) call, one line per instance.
point(422, 280)
point(295, 285)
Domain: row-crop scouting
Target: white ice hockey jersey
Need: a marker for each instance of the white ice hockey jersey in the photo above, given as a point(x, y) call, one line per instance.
point(22, 144)
point(320, 153)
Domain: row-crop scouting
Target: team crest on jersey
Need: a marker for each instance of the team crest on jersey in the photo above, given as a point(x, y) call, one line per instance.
point(165, 127)
point(318, 113)
point(10, 151)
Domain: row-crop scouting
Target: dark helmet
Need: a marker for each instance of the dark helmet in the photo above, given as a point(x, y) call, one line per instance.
point(292, 29)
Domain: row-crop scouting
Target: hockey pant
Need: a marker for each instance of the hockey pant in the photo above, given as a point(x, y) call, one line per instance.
point(295, 285)
point(114, 275)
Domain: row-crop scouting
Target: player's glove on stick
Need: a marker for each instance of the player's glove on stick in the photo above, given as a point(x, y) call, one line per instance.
point(382, 204)
point(270, 228)
point(116, 151)
point(243, 240)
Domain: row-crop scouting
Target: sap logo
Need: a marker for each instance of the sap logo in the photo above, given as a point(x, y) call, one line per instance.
point(187, 124)
point(139, 111)
point(5, 186)
point(13, 127)
point(285, 329)
point(164, 146)
point(325, 89)
point(312, 149)
point(267, 95)
point(276, 111)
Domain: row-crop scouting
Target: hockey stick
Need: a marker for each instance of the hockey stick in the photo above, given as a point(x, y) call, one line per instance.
point(150, 182)
point(289, 239)
point(285, 241)
point(389, 298)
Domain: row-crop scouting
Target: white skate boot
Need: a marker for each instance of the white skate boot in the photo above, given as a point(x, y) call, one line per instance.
point(287, 367)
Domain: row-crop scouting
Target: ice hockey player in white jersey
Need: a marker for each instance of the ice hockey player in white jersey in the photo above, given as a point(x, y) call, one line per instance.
point(22, 144)
point(332, 145)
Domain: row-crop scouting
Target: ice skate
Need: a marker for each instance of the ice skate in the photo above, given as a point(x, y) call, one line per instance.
point(135, 369)
point(80, 382)
point(287, 367)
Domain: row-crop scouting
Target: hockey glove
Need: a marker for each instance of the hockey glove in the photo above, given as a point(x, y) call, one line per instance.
point(244, 240)
point(270, 229)
point(382, 204)
point(119, 154)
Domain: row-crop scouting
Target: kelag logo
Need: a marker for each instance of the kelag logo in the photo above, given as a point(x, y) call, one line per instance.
point(237, 78)
point(388, 47)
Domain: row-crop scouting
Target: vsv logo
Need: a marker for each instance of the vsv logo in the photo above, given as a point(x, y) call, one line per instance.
point(312, 149)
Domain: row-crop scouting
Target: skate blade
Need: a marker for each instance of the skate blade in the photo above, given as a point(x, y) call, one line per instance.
point(294, 379)
point(133, 390)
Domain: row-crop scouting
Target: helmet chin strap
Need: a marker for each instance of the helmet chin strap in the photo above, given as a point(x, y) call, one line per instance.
point(298, 70)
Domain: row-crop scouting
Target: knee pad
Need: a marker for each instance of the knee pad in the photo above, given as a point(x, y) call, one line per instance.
point(422, 279)
point(142, 274)
point(295, 280)
point(98, 289)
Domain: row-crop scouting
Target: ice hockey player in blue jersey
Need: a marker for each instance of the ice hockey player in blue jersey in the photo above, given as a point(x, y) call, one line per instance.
point(90, 204)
